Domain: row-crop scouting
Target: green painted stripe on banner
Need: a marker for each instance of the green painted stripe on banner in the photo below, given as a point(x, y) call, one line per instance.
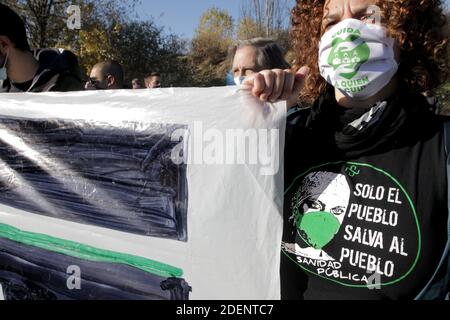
point(86, 252)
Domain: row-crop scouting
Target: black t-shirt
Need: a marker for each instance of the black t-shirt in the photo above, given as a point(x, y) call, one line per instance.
point(365, 200)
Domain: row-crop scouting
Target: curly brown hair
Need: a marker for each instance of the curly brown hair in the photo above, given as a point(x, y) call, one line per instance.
point(417, 25)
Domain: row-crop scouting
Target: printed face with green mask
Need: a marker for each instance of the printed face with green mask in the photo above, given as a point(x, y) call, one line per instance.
point(319, 208)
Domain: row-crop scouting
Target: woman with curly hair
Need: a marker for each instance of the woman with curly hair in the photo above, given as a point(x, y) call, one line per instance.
point(366, 200)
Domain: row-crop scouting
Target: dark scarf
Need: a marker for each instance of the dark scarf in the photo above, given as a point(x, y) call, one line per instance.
point(394, 121)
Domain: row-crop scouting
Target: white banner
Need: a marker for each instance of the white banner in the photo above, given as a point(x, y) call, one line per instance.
point(103, 189)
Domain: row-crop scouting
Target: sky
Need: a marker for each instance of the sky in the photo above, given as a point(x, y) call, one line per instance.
point(182, 16)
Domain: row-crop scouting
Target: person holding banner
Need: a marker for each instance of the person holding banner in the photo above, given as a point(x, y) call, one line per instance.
point(253, 55)
point(366, 175)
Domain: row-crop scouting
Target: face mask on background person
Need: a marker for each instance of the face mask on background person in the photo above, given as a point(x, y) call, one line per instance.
point(3, 71)
point(234, 81)
point(239, 80)
point(229, 79)
point(357, 58)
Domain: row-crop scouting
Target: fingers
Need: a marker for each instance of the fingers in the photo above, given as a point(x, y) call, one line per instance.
point(276, 84)
point(249, 82)
point(288, 85)
point(300, 78)
point(269, 81)
point(263, 84)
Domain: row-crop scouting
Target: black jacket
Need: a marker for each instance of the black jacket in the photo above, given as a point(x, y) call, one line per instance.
point(58, 71)
point(328, 165)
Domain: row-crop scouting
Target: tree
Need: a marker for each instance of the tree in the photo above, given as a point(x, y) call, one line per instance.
point(443, 92)
point(248, 29)
point(209, 48)
point(107, 32)
point(44, 18)
point(141, 47)
point(101, 22)
point(265, 18)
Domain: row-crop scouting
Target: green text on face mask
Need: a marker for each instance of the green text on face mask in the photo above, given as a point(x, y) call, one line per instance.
point(348, 55)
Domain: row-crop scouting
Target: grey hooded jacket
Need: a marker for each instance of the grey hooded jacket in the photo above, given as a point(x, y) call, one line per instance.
point(59, 71)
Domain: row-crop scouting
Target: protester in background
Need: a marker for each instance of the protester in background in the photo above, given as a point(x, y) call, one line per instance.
point(250, 56)
point(254, 55)
point(136, 83)
point(41, 70)
point(106, 75)
point(153, 80)
point(366, 63)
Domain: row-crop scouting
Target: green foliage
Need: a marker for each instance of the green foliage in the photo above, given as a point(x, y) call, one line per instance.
point(108, 31)
point(443, 94)
point(44, 19)
point(216, 34)
point(141, 48)
point(209, 48)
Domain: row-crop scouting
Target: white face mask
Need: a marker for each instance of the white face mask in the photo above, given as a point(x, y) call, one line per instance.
point(239, 80)
point(357, 58)
point(3, 71)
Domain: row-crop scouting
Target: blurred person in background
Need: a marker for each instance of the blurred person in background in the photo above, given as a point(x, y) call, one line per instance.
point(248, 57)
point(136, 83)
point(153, 80)
point(106, 75)
point(251, 56)
point(23, 70)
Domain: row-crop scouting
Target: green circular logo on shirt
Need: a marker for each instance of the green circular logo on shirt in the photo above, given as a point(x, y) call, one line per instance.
point(353, 224)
